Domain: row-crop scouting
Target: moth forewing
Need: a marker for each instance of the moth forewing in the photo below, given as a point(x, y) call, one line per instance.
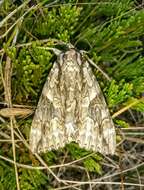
point(97, 130)
point(72, 108)
point(47, 131)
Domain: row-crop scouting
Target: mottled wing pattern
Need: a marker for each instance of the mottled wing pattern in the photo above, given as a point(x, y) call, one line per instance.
point(70, 88)
point(72, 108)
point(55, 119)
point(47, 131)
point(96, 129)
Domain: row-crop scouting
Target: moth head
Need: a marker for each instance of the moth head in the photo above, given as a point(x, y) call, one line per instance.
point(70, 55)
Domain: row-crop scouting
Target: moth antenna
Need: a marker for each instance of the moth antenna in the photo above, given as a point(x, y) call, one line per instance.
point(55, 50)
point(95, 65)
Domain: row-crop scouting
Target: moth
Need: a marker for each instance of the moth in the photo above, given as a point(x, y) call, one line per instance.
point(72, 108)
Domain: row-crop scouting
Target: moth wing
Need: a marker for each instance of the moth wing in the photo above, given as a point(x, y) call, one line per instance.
point(47, 131)
point(96, 130)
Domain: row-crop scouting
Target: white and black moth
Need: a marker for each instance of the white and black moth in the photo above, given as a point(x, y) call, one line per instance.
point(72, 108)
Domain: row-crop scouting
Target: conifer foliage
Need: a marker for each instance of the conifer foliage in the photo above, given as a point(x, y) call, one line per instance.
point(111, 33)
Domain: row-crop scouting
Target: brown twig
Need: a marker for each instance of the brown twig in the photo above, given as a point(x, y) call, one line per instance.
point(7, 90)
point(127, 107)
point(21, 112)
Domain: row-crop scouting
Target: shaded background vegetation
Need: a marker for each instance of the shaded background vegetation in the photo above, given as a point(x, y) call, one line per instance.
point(112, 34)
